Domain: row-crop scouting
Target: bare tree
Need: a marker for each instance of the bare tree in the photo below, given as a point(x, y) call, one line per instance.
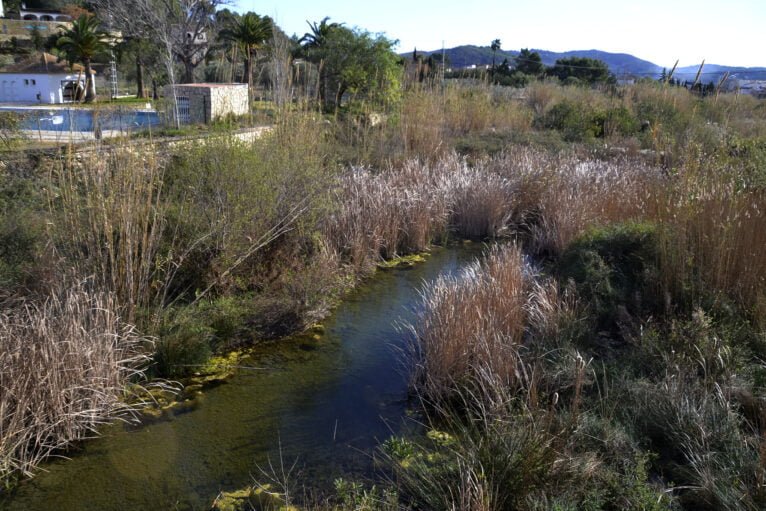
point(280, 67)
point(180, 27)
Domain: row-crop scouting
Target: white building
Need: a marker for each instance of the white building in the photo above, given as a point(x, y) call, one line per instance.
point(41, 14)
point(43, 79)
point(755, 88)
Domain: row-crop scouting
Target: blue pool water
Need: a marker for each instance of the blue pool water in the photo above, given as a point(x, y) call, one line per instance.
point(78, 119)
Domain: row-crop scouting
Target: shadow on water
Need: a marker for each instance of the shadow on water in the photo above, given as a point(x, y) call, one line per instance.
point(327, 405)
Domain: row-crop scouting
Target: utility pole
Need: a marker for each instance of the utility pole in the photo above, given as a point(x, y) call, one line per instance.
point(444, 63)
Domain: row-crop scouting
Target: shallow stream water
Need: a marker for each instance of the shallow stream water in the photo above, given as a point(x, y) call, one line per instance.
point(324, 405)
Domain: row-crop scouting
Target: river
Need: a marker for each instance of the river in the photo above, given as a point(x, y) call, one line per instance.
point(324, 405)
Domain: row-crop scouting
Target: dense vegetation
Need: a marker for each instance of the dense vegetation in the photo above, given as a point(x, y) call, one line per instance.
point(607, 353)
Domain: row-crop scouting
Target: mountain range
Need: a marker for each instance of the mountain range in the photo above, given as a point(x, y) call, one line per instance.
point(623, 65)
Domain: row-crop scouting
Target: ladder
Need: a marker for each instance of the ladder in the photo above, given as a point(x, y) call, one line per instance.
point(113, 75)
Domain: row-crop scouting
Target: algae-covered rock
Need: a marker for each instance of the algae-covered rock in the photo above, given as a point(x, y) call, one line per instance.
point(192, 391)
point(259, 499)
point(238, 500)
point(403, 261)
point(265, 499)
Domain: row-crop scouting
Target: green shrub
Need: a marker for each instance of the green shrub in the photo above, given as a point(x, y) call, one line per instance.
point(619, 121)
point(184, 345)
point(612, 266)
point(22, 231)
point(576, 122)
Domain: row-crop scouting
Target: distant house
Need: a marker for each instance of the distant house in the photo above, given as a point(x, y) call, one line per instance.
point(33, 23)
point(755, 88)
point(41, 14)
point(206, 102)
point(42, 78)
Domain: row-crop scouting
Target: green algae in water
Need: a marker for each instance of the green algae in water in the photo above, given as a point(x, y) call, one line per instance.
point(403, 262)
point(328, 407)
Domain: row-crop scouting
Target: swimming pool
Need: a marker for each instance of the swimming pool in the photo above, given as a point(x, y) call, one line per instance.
point(80, 119)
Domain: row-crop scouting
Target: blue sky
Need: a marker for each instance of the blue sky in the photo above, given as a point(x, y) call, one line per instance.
point(729, 32)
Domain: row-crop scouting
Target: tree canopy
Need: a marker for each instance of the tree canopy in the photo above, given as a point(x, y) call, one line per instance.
point(354, 64)
point(581, 70)
point(529, 62)
point(250, 33)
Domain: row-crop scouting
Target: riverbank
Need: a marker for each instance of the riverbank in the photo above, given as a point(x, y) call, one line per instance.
point(323, 404)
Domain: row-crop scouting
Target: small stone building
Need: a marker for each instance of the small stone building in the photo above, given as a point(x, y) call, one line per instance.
point(202, 103)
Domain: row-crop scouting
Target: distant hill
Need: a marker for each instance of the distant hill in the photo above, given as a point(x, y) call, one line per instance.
point(621, 64)
point(714, 73)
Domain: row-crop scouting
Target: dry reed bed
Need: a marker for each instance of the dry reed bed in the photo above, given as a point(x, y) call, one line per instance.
point(718, 229)
point(473, 328)
point(64, 365)
point(403, 210)
point(708, 224)
point(110, 219)
point(491, 346)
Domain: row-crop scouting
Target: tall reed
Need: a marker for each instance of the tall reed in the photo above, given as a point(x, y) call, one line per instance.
point(472, 324)
point(109, 216)
point(64, 365)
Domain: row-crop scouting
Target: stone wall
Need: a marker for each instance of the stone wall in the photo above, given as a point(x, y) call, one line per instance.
point(230, 100)
point(209, 102)
point(22, 29)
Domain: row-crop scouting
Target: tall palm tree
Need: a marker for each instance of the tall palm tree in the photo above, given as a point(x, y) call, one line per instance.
point(318, 35)
point(312, 43)
point(494, 47)
point(250, 32)
point(82, 43)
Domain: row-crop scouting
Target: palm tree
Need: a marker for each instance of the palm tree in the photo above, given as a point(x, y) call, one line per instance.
point(83, 42)
point(250, 32)
point(312, 43)
point(494, 46)
point(318, 35)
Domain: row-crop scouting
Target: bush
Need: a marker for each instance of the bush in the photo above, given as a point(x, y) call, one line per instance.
point(22, 232)
point(612, 266)
point(183, 347)
point(575, 121)
point(619, 121)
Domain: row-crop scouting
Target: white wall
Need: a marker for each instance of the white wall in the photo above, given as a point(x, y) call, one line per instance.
point(19, 87)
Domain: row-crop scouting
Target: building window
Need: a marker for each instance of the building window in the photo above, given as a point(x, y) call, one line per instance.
point(26, 82)
point(34, 82)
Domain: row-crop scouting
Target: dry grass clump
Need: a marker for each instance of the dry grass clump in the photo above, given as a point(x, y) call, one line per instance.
point(63, 369)
point(582, 194)
point(474, 327)
point(481, 202)
point(386, 214)
point(714, 238)
point(472, 324)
